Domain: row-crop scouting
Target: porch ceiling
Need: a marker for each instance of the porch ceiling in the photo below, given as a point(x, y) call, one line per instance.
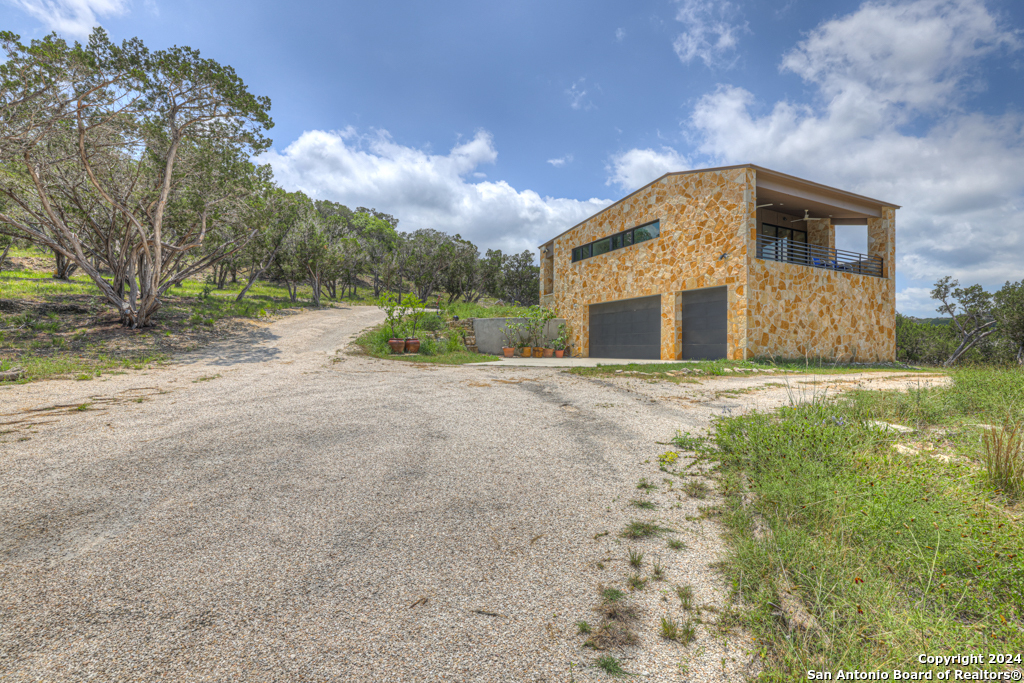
point(791, 195)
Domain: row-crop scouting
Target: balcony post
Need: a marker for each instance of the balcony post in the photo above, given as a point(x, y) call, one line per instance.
point(820, 233)
point(882, 240)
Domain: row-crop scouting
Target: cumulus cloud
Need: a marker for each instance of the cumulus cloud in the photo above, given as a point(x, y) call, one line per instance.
point(917, 54)
point(561, 161)
point(425, 190)
point(620, 35)
point(637, 167)
point(711, 33)
point(73, 18)
point(890, 119)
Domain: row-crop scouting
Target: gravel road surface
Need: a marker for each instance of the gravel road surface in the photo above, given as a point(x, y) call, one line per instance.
point(269, 509)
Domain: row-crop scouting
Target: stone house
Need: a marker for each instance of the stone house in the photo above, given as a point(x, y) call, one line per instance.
point(734, 262)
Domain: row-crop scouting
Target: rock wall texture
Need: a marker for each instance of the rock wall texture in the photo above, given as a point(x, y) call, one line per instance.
point(802, 312)
point(708, 224)
point(702, 216)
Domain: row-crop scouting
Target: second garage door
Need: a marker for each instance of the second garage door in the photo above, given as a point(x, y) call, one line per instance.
point(704, 323)
point(626, 329)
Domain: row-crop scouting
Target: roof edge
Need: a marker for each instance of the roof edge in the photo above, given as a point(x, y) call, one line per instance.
point(778, 174)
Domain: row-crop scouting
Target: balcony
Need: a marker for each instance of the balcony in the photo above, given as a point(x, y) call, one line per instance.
point(788, 251)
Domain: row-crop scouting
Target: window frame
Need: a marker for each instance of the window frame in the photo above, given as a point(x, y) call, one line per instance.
point(616, 241)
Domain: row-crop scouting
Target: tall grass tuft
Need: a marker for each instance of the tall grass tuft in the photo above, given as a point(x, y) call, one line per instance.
point(1004, 457)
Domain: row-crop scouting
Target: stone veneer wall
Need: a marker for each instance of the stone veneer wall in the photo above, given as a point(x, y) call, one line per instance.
point(802, 312)
point(702, 215)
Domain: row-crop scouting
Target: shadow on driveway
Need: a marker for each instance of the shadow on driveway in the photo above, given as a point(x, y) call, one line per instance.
point(256, 346)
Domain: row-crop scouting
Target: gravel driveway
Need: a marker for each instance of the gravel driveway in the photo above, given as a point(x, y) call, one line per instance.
point(272, 510)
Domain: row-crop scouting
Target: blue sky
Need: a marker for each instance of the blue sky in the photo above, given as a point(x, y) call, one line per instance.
point(508, 122)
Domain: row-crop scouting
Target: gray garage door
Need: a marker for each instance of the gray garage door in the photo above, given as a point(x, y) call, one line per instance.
point(704, 322)
point(626, 329)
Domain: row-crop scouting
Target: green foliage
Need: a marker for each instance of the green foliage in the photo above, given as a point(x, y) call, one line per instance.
point(668, 458)
point(636, 530)
point(891, 550)
point(611, 666)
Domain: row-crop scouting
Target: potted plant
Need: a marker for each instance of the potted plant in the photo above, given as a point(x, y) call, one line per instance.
point(549, 351)
point(416, 310)
point(537, 319)
point(391, 304)
point(561, 342)
point(510, 333)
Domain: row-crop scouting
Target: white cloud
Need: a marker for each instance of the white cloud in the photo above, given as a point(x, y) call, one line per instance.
point(890, 121)
point(917, 54)
point(72, 18)
point(577, 95)
point(637, 167)
point(712, 31)
point(425, 190)
point(561, 161)
point(916, 301)
point(620, 35)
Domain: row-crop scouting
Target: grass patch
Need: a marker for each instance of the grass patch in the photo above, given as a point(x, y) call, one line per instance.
point(894, 552)
point(643, 504)
point(683, 632)
point(657, 571)
point(685, 594)
point(688, 372)
point(484, 310)
point(612, 595)
point(695, 488)
point(611, 666)
point(66, 329)
point(636, 558)
point(636, 582)
point(676, 544)
point(643, 530)
point(646, 486)
point(583, 628)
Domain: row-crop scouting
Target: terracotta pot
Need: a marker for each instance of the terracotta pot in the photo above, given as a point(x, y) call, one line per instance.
point(559, 353)
point(508, 351)
point(397, 345)
point(412, 345)
point(527, 350)
point(548, 353)
point(538, 352)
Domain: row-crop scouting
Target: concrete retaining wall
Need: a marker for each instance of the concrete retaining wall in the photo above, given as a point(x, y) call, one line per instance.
point(490, 332)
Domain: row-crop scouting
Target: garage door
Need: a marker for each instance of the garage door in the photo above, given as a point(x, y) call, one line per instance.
point(626, 329)
point(704, 322)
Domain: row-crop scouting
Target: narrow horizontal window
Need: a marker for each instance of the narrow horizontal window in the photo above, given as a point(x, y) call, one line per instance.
point(617, 241)
point(646, 232)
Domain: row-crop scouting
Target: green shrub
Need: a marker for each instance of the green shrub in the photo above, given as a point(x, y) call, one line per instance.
point(432, 323)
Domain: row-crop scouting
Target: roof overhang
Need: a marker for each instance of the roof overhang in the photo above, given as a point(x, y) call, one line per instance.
point(790, 195)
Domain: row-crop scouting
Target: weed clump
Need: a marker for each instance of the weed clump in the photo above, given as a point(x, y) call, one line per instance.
point(643, 530)
point(1004, 458)
point(611, 666)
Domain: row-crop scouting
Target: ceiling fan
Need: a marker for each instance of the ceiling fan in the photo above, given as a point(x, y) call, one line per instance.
point(807, 217)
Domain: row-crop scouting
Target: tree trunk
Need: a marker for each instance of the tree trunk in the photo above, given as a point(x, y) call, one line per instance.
point(3, 256)
point(967, 344)
point(65, 267)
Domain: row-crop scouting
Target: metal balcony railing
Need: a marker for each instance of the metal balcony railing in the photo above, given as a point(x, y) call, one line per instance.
point(788, 251)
